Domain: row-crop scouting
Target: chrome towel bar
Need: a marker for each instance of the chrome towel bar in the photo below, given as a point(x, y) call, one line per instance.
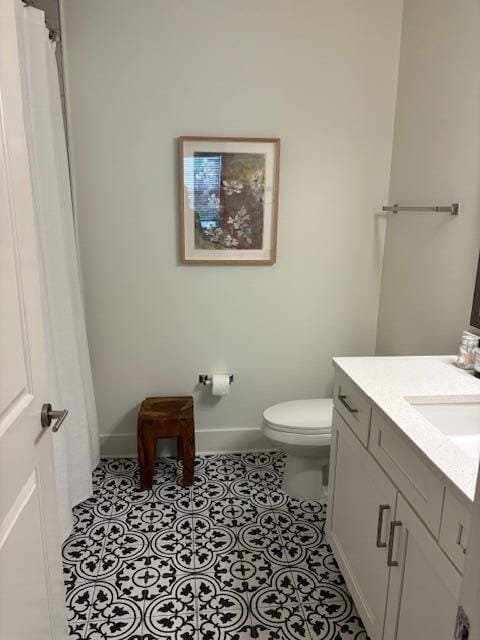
point(452, 209)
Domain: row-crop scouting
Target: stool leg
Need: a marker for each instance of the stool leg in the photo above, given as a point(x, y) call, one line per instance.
point(188, 450)
point(146, 457)
point(179, 449)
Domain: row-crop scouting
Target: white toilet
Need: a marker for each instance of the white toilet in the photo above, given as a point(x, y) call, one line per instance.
point(302, 429)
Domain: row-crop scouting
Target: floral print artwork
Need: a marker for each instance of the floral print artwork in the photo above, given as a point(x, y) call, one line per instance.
point(227, 197)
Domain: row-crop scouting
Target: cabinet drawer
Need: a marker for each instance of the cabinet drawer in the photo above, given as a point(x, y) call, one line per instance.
point(455, 529)
point(409, 471)
point(352, 406)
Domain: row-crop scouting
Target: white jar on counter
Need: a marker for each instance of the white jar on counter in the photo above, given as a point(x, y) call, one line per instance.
point(466, 352)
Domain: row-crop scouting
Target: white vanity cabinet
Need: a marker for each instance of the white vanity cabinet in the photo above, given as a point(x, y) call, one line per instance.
point(364, 497)
point(396, 529)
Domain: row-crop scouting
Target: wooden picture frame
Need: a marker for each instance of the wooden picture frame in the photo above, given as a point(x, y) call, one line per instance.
point(229, 200)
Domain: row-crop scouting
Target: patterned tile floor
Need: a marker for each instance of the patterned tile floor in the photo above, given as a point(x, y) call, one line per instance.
point(231, 558)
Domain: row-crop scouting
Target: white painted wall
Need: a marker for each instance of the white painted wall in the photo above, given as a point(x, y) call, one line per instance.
point(430, 260)
point(320, 75)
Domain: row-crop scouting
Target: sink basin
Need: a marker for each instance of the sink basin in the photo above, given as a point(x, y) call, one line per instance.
point(459, 421)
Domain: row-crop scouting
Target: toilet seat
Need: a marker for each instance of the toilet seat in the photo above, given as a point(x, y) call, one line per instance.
point(302, 429)
point(301, 417)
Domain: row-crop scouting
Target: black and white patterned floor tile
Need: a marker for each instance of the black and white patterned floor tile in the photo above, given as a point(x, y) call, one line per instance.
point(230, 558)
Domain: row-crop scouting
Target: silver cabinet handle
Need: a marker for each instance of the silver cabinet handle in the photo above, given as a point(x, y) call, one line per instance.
point(393, 526)
point(47, 415)
point(381, 510)
point(343, 400)
point(460, 536)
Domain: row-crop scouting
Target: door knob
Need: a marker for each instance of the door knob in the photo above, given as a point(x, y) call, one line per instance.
point(48, 415)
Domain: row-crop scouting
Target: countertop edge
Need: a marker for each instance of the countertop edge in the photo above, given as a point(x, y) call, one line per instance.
point(460, 474)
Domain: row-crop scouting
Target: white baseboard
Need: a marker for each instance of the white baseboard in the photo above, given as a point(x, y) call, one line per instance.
point(124, 445)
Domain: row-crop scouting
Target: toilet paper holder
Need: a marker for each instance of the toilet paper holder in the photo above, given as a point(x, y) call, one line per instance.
point(205, 379)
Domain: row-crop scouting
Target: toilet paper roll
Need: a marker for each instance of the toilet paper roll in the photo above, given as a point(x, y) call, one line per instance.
point(220, 384)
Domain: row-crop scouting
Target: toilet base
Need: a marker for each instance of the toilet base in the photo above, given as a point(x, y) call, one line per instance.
point(305, 478)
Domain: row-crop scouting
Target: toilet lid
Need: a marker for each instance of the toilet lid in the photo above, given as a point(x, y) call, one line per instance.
point(301, 416)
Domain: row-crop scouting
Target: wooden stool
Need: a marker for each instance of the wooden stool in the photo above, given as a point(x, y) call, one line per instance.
point(165, 418)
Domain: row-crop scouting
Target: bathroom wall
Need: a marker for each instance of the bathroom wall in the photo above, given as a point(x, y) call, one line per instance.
point(320, 75)
point(430, 259)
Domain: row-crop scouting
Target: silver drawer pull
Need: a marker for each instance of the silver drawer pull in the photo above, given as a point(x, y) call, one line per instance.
point(460, 536)
point(393, 526)
point(381, 510)
point(343, 400)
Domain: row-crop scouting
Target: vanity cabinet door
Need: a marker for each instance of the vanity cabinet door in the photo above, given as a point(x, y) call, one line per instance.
point(362, 499)
point(424, 586)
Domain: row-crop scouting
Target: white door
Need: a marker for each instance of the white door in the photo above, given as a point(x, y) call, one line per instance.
point(424, 584)
point(362, 506)
point(32, 601)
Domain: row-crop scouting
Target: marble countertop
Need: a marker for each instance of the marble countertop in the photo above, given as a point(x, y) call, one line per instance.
point(390, 382)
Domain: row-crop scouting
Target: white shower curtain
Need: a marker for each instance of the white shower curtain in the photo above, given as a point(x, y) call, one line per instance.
point(76, 444)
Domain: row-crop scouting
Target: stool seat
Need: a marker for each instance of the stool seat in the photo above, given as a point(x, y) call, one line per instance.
point(176, 407)
point(165, 417)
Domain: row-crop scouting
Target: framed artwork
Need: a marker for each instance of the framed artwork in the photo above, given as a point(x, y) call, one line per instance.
point(228, 200)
